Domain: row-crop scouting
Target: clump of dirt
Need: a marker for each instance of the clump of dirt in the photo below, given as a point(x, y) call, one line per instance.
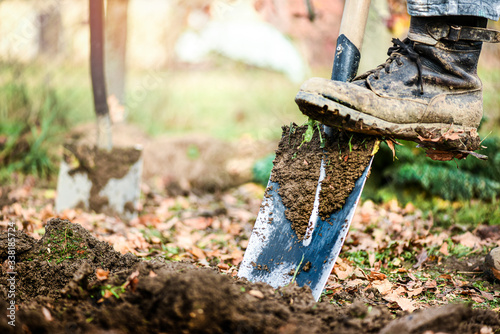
point(348, 154)
point(452, 318)
point(60, 291)
point(45, 266)
point(297, 169)
point(100, 166)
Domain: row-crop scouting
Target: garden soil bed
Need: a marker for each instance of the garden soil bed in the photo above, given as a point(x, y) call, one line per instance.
point(70, 282)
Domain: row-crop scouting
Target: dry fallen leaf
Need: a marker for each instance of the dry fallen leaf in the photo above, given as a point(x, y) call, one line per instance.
point(421, 258)
point(223, 266)
point(444, 249)
point(197, 252)
point(199, 223)
point(446, 276)
point(371, 259)
point(374, 275)
point(404, 303)
point(354, 284)
point(384, 287)
point(487, 295)
point(430, 284)
point(342, 269)
point(415, 292)
point(133, 280)
point(477, 299)
point(102, 274)
point(391, 146)
point(467, 239)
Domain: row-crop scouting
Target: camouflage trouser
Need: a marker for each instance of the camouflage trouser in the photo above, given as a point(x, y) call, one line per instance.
point(489, 9)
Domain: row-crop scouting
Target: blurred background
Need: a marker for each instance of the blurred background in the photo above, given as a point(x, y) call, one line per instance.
point(205, 86)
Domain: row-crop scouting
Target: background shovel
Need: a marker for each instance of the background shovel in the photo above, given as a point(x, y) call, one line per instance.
point(275, 255)
point(99, 178)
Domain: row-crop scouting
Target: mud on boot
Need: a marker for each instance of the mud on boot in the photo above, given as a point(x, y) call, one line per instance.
point(427, 91)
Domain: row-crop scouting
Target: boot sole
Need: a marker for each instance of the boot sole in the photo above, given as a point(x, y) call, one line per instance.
point(439, 136)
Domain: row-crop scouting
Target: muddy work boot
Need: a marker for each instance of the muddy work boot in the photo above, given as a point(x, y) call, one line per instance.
point(427, 91)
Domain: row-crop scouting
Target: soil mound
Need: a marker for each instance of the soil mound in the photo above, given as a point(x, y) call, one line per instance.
point(60, 288)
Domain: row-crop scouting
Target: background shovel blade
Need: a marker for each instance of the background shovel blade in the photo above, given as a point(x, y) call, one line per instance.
point(275, 253)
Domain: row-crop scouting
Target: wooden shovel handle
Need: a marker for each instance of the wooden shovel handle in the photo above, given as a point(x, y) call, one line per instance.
point(354, 20)
point(96, 18)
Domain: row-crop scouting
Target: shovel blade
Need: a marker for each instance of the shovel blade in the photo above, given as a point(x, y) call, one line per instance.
point(121, 194)
point(276, 256)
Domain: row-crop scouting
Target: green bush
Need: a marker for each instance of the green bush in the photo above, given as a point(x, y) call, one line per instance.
point(32, 120)
point(451, 180)
point(262, 169)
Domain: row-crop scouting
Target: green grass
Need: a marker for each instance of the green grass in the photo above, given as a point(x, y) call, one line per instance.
point(225, 103)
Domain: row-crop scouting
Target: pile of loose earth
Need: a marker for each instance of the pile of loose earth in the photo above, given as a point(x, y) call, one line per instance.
point(69, 280)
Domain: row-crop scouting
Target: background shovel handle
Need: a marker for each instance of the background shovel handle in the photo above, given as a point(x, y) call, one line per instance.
point(96, 19)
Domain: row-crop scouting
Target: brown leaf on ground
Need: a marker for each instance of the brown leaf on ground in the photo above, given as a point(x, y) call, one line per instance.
point(374, 275)
point(223, 266)
point(404, 303)
point(199, 223)
point(487, 295)
point(384, 287)
point(496, 273)
point(467, 239)
point(198, 253)
point(477, 299)
point(342, 269)
point(421, 258)
point(415, 292)
point(430, 284)
point(445, 276)
point(133, 280)
point(101, 274)
point(444, 249)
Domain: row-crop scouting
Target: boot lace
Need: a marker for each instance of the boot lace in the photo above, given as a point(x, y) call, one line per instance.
point(395, 52)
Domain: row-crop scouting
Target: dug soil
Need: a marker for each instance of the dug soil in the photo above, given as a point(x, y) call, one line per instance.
point(70, 282)
point(297, 167)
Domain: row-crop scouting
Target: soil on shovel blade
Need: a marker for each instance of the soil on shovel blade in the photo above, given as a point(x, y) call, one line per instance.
point(100, 166)
point(69, 282)
point(297, 170)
